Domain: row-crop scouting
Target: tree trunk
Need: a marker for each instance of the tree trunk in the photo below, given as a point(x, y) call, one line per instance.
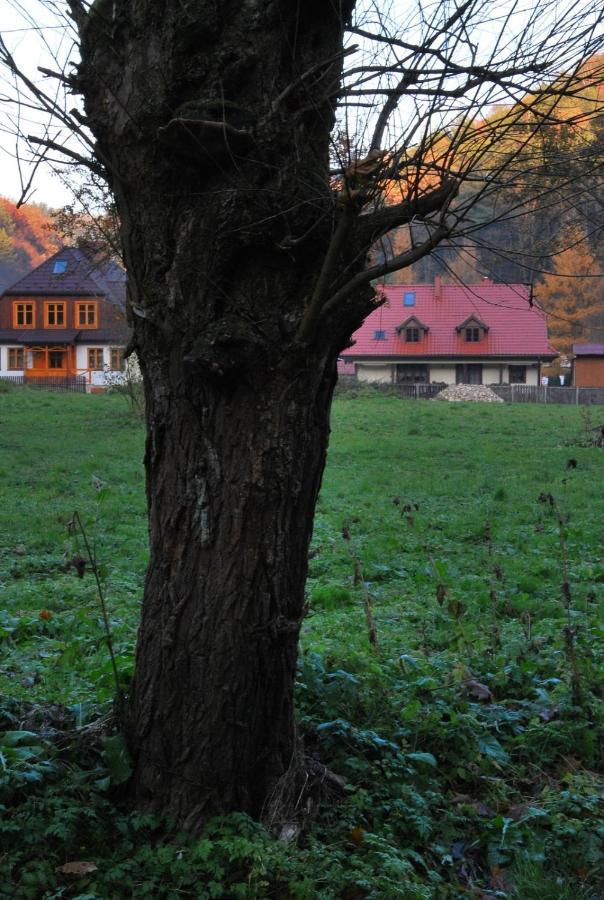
point(215, 139)
point(233, 475)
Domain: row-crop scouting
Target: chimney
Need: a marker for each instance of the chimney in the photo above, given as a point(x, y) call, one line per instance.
point(438, 287)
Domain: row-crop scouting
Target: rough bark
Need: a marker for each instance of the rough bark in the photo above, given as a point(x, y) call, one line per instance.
point(216, 142)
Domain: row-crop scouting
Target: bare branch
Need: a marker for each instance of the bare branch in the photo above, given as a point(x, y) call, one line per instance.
point(66, 151)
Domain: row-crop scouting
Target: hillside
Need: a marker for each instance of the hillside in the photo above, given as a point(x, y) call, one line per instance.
point(26, 239)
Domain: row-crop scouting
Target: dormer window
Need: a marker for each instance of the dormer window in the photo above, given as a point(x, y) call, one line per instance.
point(472, 330)
point(412, 331)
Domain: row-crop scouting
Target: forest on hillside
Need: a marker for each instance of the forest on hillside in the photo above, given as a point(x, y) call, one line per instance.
point(27, 237)
point(552, 241)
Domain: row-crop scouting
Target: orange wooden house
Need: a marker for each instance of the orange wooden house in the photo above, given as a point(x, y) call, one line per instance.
point(65, 319)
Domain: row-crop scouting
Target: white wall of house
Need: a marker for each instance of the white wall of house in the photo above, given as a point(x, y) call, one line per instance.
point(98, 377)
point(492, 372)
point(4, 369)
point(442, 372)
point(378, 373)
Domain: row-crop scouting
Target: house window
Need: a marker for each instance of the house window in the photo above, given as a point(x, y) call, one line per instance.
point(517, 374)
point(95, 357)
point(55, 359)
point(54, 314)
point(379, 335)
point(59, 267)
point(15, 357)
point(86, 315)
point(24, 315)
point(468, 374)
point(412, 335)
point(118, 363)
point(409, 298)
point(410, 373)
point(473, 334)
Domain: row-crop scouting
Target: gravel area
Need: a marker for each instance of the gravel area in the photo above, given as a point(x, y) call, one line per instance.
point(468, 393)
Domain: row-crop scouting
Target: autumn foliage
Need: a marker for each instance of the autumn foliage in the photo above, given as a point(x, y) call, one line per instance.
point(26, 239)
point(572, 293)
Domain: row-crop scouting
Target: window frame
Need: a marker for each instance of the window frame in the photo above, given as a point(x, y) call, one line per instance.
point(415, 369)
point(58, 304)
point(512, 366)
point(462, 371)
point(96, 351)
point(20, 351)
point(473, 334)
point(409, 298)
point(25, 304)
point(119, 352)
point(54, 354)
point(412, 334)
point(84, 304)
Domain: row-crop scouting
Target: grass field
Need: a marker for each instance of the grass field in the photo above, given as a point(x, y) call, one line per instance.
point(470, 738)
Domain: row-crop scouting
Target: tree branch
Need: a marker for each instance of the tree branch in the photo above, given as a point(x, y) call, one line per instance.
point(369, 228)
point(313, 310)
point(400, 261)
point(81, 160)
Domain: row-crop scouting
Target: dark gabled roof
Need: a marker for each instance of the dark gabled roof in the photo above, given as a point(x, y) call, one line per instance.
point(39, 335)
point(83, 277)
point(471, 320)
point(104, 335)
point(588, 349)
point(48, 336)
point(412, 321)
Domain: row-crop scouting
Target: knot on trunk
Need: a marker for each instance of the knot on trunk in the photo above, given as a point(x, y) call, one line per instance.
point(227, 347)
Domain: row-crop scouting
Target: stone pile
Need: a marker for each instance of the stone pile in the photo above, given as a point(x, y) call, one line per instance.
point(468, 393)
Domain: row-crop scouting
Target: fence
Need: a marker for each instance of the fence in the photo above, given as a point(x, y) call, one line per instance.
point(511, 393)
point(417, 391)
point(74, 385)
point(526, 393)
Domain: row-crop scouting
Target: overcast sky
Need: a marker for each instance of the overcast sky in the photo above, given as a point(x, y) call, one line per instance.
point(27, 47)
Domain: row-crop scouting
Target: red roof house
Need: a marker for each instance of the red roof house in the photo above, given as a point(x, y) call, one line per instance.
point(466, 334)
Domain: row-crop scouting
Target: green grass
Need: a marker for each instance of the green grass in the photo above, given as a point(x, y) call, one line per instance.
point(470, 765)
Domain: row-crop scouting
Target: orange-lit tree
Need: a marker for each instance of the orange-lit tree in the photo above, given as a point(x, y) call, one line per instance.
point(572, 294)
point(26, 239)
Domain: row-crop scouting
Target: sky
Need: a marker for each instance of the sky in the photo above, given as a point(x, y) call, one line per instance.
point(37, 33)
point(30, 51)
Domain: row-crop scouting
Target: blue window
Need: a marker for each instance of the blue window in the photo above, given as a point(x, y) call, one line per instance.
point(409, 298)
point(379, 335)
point(59, 267)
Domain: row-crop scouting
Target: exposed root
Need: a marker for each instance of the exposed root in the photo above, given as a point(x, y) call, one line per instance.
point(299, 794)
